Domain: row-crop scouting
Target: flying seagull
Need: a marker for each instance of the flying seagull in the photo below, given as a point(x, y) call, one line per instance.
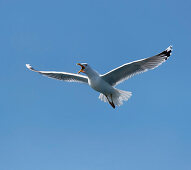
point(105, 84)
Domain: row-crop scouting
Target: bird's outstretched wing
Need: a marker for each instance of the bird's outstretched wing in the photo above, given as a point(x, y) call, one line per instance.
point(70, 77)
point(128, 70)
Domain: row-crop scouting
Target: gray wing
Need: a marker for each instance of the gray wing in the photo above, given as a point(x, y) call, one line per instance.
point(128, 70)
point(70, 77)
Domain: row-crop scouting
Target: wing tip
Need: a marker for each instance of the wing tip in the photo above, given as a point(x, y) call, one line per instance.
point(169, 49)
point(30, 67)
point(167, 53)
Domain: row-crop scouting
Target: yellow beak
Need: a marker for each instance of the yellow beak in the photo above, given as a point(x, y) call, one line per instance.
point(82, 68)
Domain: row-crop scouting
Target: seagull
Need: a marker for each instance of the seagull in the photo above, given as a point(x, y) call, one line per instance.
point(105, 84)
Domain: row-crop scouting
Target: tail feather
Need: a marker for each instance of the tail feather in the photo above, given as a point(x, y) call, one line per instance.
point(102, 97)
point(117, 97)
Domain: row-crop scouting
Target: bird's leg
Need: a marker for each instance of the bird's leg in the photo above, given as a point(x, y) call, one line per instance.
point(111, 103)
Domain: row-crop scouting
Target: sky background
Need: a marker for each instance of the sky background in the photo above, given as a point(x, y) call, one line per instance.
point(47, 124)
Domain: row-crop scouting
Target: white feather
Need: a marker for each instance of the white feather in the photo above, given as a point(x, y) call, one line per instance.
point(70, 77)
point(128, 70)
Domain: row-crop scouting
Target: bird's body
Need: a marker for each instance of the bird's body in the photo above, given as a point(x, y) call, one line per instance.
point(105, 84)
point(96, 82)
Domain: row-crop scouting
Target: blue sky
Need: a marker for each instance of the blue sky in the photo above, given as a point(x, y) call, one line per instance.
point(47, 124)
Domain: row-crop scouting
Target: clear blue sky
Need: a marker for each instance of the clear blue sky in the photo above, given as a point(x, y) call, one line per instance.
point(47, 124)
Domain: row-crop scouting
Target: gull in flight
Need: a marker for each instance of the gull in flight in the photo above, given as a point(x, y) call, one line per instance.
point(105, 84)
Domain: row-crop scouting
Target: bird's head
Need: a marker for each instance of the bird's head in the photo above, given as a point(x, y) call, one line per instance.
point(84, 67)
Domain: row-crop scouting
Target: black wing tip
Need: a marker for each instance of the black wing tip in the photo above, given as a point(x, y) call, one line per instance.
point(167, 53)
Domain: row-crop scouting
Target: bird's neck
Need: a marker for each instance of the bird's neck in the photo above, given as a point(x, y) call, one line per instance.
point(92, 73)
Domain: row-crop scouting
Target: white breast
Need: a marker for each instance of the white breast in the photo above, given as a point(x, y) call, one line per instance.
point(98, 84)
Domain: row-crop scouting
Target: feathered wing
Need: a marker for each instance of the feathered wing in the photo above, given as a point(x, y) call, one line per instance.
point(69, 77)
point(128, 70)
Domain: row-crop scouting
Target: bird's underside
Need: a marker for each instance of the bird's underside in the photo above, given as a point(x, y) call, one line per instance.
point(113, 77)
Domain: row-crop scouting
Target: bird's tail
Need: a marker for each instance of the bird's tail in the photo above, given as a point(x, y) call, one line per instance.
point(117, 97)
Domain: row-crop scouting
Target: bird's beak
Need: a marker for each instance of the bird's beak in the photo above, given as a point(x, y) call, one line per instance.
point(82, 68)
